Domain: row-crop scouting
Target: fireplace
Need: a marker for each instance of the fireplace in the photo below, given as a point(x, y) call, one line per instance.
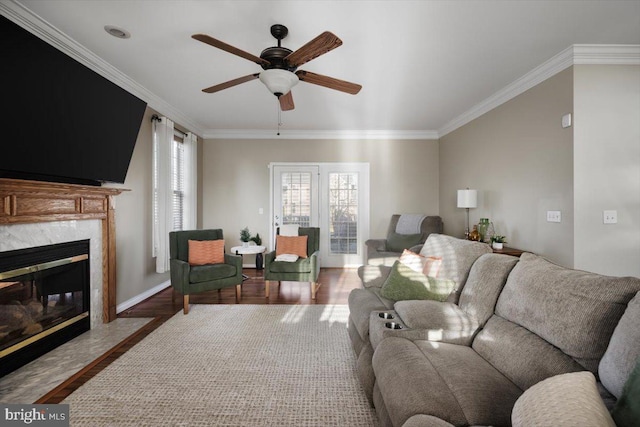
point(44, 300)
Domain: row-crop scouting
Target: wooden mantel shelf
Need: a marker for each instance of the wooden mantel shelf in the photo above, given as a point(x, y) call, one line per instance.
point(23, 201)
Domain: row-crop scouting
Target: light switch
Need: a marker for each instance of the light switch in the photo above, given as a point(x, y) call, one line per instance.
point(566, 120)
point(610, 217)
point(260, 211)
point(554, 216)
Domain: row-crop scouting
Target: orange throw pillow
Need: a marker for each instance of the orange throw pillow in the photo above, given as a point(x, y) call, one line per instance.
point(429, 266)
point(203, 252)
point(296, 245)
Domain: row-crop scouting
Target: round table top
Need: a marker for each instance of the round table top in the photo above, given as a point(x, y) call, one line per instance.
point(245, 250)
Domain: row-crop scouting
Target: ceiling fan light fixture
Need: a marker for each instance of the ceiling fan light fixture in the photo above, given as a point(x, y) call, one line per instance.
point(279, 82)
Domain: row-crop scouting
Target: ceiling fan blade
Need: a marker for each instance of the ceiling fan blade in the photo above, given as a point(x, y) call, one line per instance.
point(228, 48)
point(322, 44)
point(330, 82)
point(286, 102)
point(231, 83)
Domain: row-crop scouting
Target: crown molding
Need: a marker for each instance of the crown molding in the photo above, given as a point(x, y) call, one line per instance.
point(318, 134)
point(33, 23)
point(581, 54)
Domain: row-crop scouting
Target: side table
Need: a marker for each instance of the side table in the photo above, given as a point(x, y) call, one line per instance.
point(508, 251)
point(250, 250)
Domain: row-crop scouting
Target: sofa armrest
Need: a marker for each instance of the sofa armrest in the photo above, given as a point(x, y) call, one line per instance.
point(235, 260)
point(379, 245)
point(179, 272)
point(422, 420)
point(428, 314)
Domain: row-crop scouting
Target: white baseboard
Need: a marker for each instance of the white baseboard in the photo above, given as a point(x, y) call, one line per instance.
point(143, 296)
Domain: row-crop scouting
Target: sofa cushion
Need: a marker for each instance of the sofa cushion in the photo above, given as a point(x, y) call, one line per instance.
point(205, 273)
point(404, 283)
point(448, 381)
point(562, 400)
point(623, 351)
point(626, 413)
point(457, 255)
point(435, 321)
point(398, 242)
point(574, 310)
point(519, 354)
point(301, 265)
point(485, 282)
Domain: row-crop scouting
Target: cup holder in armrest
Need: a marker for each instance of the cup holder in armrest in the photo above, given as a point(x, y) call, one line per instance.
point(393, 325)
point(385, 315)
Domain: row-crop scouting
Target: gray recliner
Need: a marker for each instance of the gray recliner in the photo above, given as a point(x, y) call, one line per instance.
point(387, 251)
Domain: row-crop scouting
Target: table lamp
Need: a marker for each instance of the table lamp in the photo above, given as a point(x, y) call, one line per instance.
point(467, 199)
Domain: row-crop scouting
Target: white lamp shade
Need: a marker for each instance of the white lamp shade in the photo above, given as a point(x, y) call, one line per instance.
point(279, 82)
point(467, 198)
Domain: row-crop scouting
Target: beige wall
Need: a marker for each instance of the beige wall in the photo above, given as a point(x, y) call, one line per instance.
point(520, 160)
point(403, 178)
point(135, 266)
point(607, 168)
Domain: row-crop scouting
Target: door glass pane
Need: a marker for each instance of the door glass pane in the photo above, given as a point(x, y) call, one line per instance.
point(343, 211)
point(296, 198)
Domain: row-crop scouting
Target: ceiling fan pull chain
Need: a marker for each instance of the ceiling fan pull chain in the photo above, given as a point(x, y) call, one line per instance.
point(279, 116)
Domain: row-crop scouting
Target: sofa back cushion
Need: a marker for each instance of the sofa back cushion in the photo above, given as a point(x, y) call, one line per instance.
point(485, 282)
point(623, 351)
point(573, 310)
point(457, 255)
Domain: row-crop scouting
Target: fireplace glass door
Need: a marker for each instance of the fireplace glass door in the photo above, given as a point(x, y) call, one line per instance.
point(42, 291)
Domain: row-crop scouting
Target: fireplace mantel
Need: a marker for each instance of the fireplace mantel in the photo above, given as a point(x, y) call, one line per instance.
point(23, 201)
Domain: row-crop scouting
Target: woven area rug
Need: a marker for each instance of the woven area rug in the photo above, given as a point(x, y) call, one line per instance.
point(232, 365)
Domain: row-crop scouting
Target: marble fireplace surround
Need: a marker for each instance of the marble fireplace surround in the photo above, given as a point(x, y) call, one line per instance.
point(36, 213)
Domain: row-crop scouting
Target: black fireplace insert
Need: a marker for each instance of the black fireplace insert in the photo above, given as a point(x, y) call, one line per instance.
point(44, 300)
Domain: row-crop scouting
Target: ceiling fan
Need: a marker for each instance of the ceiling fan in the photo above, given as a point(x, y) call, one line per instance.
point(280, 65)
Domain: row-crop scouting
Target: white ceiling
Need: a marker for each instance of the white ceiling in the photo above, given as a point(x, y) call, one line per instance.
point(422, 64)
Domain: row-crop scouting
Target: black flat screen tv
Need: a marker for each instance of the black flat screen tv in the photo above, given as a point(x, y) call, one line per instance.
point(61, 121)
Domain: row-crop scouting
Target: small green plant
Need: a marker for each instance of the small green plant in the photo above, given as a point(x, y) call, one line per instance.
point(257, 239)
point(498, 239)
point(245, 234)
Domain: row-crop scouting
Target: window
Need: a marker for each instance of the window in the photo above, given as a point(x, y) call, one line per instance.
point(174, 186)
point(177, 181)
point(343, 212)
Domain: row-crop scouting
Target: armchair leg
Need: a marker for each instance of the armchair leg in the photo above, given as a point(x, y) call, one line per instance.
point(238, 293)
point(185, 302)
point(314, 289)
point(266, 289)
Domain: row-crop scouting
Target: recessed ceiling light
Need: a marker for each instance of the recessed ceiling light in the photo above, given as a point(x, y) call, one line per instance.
point(117, 32)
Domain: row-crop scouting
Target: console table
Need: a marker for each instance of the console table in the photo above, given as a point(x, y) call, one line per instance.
point(508, 251)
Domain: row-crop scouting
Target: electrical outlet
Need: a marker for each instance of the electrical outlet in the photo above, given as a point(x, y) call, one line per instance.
point(610, 217)
point(554, 216)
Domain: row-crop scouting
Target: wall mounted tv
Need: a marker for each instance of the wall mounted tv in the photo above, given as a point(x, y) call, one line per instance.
point(61, 121)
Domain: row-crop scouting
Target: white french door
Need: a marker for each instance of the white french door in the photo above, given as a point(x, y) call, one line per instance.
point(332, 196)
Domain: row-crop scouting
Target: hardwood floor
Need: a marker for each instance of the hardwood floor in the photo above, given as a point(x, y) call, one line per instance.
point(336, 284)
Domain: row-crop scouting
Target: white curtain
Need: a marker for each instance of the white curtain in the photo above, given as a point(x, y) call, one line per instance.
point(162, 194)
point(191, 181)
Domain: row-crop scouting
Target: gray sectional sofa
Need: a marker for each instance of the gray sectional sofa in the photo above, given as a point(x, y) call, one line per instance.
point(510, 324)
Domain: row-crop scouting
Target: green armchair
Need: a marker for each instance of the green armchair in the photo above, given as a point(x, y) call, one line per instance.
point(190, 279)
point(303, 270)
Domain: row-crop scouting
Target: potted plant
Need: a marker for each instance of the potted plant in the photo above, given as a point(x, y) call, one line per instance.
point(245, 236)
point(497, 241)
point(257, 239)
